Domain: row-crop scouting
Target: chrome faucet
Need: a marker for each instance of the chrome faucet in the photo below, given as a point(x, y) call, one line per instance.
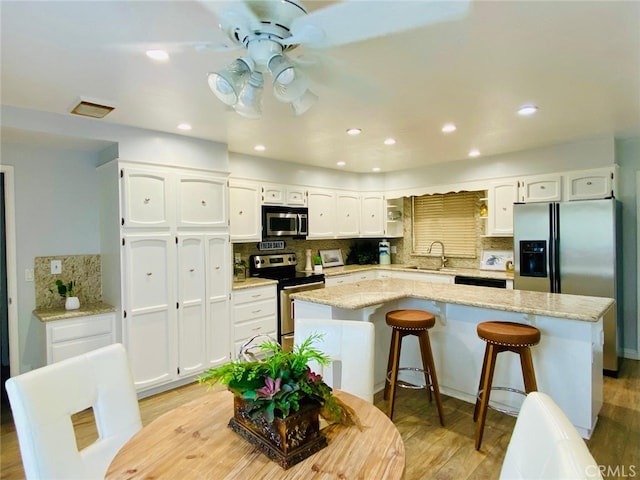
point(443, 259)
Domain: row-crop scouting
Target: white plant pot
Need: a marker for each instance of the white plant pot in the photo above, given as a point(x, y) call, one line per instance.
point(72, 303)
point(317, 268)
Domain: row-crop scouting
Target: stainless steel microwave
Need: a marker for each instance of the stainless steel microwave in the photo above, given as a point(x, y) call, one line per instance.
point(284, 222)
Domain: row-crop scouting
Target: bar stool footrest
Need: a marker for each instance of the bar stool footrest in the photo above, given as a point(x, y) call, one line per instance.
point(507, 411)
point(411, 386)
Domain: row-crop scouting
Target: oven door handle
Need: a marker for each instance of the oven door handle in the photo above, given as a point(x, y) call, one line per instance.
point(302, 285)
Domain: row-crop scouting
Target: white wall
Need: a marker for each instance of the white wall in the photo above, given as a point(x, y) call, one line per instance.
point(56, 211)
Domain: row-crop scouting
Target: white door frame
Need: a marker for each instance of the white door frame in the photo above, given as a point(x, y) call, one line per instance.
point(12, 281)
point(638, 262)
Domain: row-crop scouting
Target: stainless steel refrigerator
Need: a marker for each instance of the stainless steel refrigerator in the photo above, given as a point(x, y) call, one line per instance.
point(572, 247)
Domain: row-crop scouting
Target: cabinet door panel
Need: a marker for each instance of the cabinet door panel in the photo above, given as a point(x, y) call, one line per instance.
point(501, 199)
point(145, 202)
point(149, 325)
point(218, 326)
point(348, 214)
point(542, 189)
point(202, 201)
point(192, 300)
point(245, 224)
point(322, 213)
point(373, 219)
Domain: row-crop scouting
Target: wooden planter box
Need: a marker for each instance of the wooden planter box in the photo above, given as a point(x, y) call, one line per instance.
point(286, 441)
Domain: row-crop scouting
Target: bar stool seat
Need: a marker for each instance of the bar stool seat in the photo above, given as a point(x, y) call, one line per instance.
point(503, 337)
point(403, 323)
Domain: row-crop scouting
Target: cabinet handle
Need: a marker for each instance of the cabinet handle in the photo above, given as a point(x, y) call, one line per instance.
point(542, 187)
point(256, 329)
point(588, 183)
point(373, 215)
point(149, 274)
point(203, 203)
point(240, 212)
point(217, 267)
point(504, 209)
point(321, 214)
point(256, 296)
point(192, 270)
point(257, 311)
point(146, 200)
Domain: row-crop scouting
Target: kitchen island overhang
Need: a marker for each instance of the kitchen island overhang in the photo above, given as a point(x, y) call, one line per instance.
point(568, 360)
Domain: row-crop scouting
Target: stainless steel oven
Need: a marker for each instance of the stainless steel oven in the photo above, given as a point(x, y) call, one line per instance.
point(282, 267)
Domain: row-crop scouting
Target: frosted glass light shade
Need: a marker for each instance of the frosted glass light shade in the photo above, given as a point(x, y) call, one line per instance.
point(304, 102)
point(249, 103)
point(288, 82)
point(228, 82)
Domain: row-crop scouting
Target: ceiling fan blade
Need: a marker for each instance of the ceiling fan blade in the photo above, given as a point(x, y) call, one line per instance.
point(236, 17)
point(357, 20)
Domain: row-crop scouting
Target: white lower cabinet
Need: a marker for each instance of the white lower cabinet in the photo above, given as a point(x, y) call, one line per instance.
point(255, 312)
point(75, 336)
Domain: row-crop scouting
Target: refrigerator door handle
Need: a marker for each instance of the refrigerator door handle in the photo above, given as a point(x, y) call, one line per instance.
point(554, 247)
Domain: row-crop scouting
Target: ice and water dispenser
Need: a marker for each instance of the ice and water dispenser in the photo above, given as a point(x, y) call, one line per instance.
point(533, 258)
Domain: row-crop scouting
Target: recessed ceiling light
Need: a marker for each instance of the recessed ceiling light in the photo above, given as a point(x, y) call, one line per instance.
point(341, 163)
point(259, 148)
point(448, 128)
point(159, 55)
point(474, 153)
point(354, 131)
point(390, 141)
point(184, 126)
point(526, 110)
point(376, 169)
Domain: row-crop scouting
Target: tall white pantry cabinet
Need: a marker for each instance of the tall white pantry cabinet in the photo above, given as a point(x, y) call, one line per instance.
point(166, 266)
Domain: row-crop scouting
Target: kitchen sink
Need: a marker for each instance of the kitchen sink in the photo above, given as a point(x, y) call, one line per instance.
point(430, 269)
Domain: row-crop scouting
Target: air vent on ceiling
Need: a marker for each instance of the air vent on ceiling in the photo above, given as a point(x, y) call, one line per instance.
point(89, 108)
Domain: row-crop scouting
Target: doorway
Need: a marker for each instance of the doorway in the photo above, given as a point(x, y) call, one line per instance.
point(8, 293)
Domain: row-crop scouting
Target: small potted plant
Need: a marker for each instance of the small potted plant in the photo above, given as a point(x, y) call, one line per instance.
point(279, 395)
point(317, 264)
point(67, 291)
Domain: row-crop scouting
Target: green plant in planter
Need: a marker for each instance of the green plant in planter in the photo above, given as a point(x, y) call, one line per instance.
point(317, 260)
point(277, 385)
point(65, 290)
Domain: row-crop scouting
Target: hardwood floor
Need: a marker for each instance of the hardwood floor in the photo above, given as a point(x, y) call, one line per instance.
point(433, 452)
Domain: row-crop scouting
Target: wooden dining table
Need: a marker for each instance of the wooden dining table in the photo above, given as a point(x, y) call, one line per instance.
point(193, 441)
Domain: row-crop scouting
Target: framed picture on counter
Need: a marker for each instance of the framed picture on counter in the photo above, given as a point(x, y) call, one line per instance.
point(331, 258)
point(495, 259)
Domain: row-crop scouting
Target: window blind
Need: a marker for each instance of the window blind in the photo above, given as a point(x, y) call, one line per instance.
point(448, 218)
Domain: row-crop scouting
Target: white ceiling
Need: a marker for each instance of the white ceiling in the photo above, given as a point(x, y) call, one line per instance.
point(579, 61)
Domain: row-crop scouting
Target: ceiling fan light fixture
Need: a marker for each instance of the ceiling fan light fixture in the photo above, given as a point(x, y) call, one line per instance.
point(249, 103)
point(227, 83)
point(288, 83)
point(304, 102)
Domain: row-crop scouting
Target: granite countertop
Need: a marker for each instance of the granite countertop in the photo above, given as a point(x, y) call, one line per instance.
point(372, 292)
point(251, 282)
point(469, 272)
point(50, 314)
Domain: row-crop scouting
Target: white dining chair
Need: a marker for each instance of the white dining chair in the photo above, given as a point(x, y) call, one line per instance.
point(43, 401)
point(350, 346)
point(546, 445)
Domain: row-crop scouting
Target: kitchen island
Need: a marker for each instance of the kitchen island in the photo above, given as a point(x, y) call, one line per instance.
point(568, 360)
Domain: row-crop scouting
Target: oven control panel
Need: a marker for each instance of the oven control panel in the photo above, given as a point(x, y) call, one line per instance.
point(273, 261)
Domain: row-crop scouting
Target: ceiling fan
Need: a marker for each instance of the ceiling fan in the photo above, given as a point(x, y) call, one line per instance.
point(267, 29)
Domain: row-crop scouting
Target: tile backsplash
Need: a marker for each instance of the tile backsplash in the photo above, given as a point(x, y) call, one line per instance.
point(84, 270)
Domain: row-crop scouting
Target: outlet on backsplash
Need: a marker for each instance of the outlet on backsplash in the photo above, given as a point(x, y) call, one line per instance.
point(84, 270)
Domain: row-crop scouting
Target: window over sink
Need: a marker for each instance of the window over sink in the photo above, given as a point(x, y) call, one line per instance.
point(449, 218)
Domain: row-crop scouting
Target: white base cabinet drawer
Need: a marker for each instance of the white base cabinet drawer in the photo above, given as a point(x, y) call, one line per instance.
point(254, 310)
point(260, 326)
point(256, 294)
point(75, 336)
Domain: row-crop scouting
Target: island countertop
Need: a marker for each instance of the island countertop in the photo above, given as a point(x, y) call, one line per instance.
point(372, 292)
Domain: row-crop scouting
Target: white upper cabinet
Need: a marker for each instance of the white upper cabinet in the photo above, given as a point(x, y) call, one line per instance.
point(273, 194)
point(322, 213)
point(541, 188)
point(146, 197)
point(202, 201)
point(245, 222)
point(348, 214)
point(501, 196)
point(591, 184)
point(373, 215)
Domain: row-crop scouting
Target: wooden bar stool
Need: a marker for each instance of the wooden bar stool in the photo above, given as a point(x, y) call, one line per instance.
point(503, 337)
point(403, 323)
